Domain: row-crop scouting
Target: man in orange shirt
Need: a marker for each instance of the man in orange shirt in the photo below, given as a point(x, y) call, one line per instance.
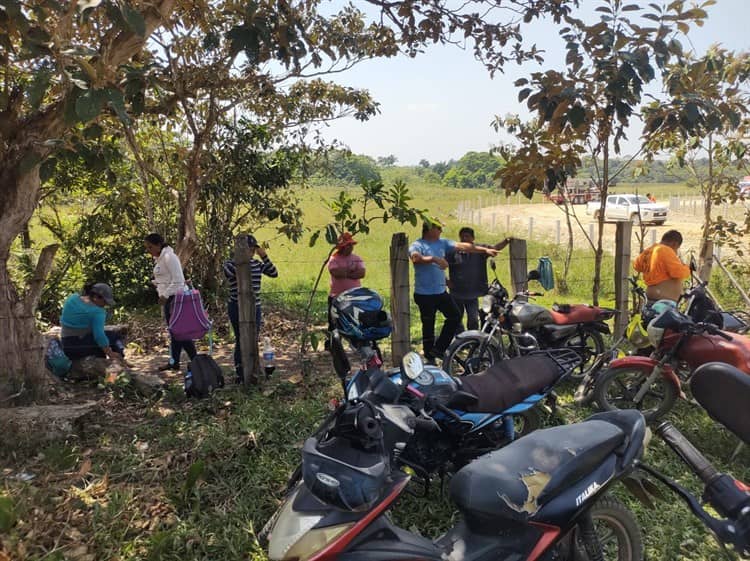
point(662, 269)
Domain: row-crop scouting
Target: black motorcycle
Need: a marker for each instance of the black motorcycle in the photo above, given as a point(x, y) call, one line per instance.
point(516, 326)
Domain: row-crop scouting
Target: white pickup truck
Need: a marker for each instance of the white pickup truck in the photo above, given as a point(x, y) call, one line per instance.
point(635, 208)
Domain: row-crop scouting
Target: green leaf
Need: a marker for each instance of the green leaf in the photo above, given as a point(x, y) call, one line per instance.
point(195, 472)
point(576, 116)
point(523, 94)
point(331, 234)
point(38, 87)
point(314, 238)
point(7, 514)
point(117, 101)
point(134, 20)
point(90, 104)
point(692, 113)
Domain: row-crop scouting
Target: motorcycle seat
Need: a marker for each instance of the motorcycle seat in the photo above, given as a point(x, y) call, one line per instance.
point(508, 382)
point(576, 313)
point(517, 480)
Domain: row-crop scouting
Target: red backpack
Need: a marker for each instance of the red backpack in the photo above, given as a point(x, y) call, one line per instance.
point(188, 320)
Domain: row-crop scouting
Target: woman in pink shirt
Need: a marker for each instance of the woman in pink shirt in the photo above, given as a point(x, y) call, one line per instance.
point(346, 270)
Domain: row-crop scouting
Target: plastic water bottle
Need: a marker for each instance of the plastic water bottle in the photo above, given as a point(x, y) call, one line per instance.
point(268, 357)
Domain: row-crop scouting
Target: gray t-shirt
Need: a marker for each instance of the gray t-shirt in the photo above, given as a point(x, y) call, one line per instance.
point(468, 274)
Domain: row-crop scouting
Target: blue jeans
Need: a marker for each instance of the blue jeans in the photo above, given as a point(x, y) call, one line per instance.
point(233, 310)
point(176, 347)
point(79, 347)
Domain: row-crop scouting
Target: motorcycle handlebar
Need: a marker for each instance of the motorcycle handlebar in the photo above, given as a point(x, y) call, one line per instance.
point(689, 454)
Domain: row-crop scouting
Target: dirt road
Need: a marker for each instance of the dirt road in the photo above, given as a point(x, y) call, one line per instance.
point(547, 222)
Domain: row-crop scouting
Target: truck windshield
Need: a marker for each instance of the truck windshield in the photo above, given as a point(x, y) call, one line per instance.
point(637, 200)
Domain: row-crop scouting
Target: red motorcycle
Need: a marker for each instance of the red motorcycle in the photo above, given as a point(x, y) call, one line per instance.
point(652, 384)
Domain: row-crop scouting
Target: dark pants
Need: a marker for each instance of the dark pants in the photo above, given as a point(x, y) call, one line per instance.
point(233, 310)
point(176, 347)
point(429, 305)
point(79, 347)
point(471, 308)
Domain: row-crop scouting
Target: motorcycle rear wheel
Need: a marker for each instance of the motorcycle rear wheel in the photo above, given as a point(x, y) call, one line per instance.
point(618, 532)
point(464, 356)
point(589, 344)
point(615, 389)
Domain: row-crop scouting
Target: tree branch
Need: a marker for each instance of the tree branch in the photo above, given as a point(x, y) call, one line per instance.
point(43, 267)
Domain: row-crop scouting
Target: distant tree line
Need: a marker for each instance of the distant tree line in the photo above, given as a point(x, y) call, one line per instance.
point(476, 170)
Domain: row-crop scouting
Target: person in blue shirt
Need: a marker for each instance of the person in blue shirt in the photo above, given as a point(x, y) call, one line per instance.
point(82, 324)
point(428, 255)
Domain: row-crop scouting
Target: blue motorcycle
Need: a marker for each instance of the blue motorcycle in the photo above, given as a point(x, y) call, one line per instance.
point(473, 415)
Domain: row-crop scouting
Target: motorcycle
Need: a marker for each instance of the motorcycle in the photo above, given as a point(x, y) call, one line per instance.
point(652, 384)
point(508, 408)
point(542, 496)
point(698, 305)
point(527, 327)
point(724, 392)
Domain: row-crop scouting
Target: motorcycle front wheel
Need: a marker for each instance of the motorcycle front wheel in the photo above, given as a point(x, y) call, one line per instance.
point(616, 388)
point(589, 344)
point(617, 530)
point(469, 355)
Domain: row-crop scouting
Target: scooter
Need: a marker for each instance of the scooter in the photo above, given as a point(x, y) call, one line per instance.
point(526, 327)
point(541, 497)
point(653, 384)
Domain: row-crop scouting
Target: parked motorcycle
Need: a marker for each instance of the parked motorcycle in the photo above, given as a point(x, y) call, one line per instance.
point(724, 392)
point(652, 384)
point(477, 414)
point(543, 496)
point(514, 327)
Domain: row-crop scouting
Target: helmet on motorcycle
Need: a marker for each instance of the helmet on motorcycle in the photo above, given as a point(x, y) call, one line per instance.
point(342, 475)
point(358, 314)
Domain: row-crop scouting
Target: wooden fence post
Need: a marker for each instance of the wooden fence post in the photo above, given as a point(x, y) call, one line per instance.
point(622, 272)
point(400, 297)
point(507, 223)
point(558, 231)
point(518, 268)
point(531, 227)
point(248, 338)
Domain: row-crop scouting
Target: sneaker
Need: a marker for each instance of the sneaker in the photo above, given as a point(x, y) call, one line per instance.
point(169, 366)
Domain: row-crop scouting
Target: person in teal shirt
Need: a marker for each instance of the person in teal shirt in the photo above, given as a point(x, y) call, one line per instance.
point(82, 322)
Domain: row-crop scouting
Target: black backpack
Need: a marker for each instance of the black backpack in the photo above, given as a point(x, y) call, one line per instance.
point(203, 376)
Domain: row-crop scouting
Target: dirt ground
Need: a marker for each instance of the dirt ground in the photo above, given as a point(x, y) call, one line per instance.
point(543, 221)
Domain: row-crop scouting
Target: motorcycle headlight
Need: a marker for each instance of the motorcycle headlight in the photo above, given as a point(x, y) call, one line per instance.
point(487, 302)
point(293, 536)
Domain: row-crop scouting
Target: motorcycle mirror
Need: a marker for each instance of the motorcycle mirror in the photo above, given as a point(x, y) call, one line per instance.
point(412, 365)
point(693, 264)
point(492, 263)
point(534, 275)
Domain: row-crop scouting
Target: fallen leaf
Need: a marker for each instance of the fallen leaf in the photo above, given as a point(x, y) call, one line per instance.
point(295, 378)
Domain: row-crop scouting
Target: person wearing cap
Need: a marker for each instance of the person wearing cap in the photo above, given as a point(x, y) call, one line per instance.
point(82, 324)
point(169, 281)
point(258, 268)
point(346, 269)
point(428, 254)
point(468, 276)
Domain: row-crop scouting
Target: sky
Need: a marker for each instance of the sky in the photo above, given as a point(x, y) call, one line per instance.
point(439, 105)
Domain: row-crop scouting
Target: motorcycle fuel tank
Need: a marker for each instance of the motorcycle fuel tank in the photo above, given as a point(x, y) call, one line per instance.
point(530, 315)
